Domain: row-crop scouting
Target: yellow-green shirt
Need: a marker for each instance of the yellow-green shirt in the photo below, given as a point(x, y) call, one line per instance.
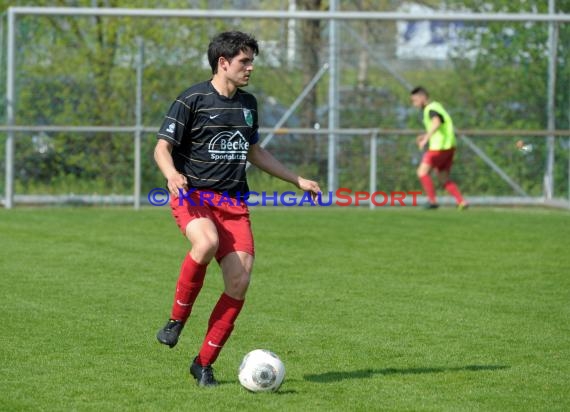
point(444, 136)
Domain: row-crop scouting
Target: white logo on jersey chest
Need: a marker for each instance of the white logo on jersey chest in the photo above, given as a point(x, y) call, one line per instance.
point(228, 145)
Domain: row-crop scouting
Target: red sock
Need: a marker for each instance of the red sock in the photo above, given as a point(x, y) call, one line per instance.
point(429, 190)
point(453, 190)
point(188, 286)
point(220, 328)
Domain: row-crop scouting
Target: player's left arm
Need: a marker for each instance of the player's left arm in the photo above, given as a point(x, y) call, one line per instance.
point(264, 160)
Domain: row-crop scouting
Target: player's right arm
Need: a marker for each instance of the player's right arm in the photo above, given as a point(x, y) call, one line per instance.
point(170, 134)
point(436, 121)
point(163, 158)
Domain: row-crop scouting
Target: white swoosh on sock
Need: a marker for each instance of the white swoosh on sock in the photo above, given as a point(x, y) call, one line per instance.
point(214, 345)
point(181, 303)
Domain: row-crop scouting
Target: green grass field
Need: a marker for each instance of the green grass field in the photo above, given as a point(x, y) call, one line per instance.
point(392, 310)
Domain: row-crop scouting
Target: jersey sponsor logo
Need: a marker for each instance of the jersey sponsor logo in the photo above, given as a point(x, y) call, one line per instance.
point(248, 117)
point(171, 127)
point(228, 145)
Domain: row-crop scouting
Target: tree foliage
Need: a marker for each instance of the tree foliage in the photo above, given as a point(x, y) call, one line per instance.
point(82, 71)
point(510, 70)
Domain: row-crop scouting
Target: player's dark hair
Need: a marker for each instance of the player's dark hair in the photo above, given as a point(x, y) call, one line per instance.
point(419, 90)
point(228, 45)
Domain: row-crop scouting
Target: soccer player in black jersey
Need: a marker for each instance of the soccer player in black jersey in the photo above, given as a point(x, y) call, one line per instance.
point(204, 143)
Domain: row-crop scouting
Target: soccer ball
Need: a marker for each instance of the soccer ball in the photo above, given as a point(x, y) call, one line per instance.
point(261, 371)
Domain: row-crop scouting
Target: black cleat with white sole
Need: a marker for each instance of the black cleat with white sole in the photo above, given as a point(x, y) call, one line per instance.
point(170, 333)
point(204, 375)
point(431, 206)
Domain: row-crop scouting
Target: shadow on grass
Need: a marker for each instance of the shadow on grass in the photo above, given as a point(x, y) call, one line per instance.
point(368, 373)
point(280, 392)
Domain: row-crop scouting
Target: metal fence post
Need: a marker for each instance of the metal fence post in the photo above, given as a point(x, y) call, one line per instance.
point(373, 165)
point(332, 179)
point(551, 103)
point(10, 65)
point(137, 171)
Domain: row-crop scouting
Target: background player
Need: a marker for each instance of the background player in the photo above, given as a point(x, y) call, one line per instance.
point(204, 143)
point(440, 138)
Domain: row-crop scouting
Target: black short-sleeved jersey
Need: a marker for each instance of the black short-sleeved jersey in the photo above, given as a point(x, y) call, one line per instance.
point(211, 135)
point(433, 113)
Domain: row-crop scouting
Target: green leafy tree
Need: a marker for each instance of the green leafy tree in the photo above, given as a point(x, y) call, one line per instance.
point(510, 68)
point(81, 71)
point(507, 82)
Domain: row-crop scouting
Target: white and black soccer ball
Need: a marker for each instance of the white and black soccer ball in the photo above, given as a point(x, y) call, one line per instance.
point(261, 371)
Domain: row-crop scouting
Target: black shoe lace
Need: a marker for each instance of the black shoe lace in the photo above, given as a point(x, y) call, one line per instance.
point(172, 325)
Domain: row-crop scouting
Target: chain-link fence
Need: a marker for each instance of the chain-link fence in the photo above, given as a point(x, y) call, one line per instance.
point(116, 75)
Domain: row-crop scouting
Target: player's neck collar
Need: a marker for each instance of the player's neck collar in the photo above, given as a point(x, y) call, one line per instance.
point(221, 92)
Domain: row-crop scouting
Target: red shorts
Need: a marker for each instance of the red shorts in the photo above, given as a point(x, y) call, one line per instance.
point(230, 216)
point(439, 159)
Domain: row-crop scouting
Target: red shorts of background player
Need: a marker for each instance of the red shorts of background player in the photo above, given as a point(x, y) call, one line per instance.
point(230, 216)
point(439, 159)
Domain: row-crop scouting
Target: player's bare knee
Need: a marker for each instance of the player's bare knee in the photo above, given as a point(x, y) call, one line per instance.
point(423, 169)
point(205, 251)
point(237, 285)
point(204, 240)
point(204, 248)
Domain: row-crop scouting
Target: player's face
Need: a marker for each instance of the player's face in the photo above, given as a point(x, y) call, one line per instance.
point(238, 69)
point(418, 100)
